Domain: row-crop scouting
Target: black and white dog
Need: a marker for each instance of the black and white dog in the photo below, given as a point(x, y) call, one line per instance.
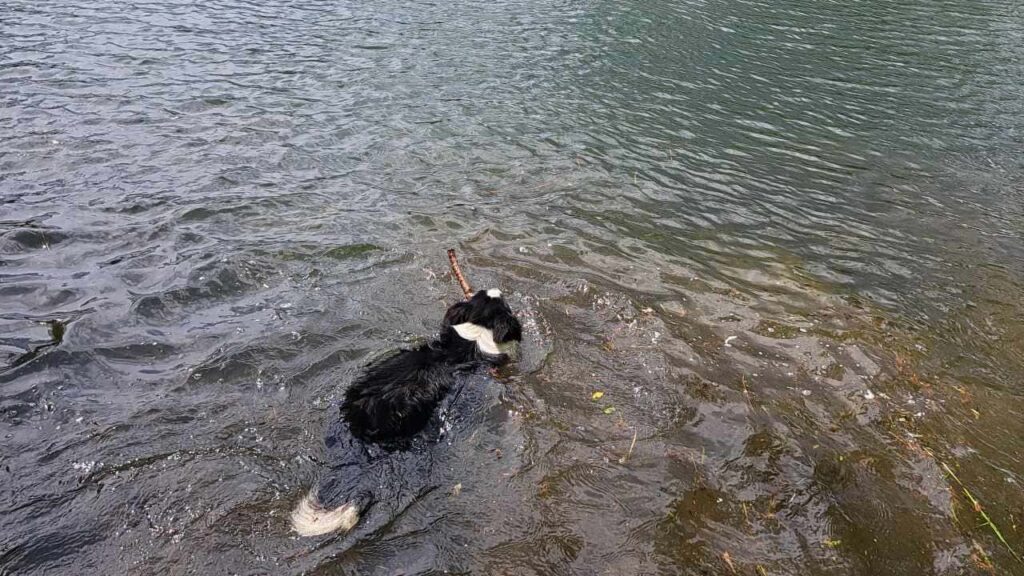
point(399, 407)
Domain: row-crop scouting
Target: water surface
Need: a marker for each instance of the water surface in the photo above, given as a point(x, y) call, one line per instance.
point(783, 239)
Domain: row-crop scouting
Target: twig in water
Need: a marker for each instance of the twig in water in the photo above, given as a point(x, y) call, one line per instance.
point(467, 290)
point(981, 511)
point(631, 446)
point(728, 562)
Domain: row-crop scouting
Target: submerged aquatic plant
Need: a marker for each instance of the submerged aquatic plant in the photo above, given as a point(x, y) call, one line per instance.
point(981, 511)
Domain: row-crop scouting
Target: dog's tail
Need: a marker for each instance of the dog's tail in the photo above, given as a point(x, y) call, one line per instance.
point(310, 518)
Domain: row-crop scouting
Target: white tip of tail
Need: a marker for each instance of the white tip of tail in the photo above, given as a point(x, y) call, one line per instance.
point(310, 518)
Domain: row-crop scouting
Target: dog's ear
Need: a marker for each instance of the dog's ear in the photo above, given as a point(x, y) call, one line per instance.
point(457, 313)
point(506, 328)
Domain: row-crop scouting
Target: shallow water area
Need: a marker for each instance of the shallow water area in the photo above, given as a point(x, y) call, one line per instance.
point(768, 257)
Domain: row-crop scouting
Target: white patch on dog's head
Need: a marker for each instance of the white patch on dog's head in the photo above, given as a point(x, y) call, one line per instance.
point(494, 293)
point(483, 337)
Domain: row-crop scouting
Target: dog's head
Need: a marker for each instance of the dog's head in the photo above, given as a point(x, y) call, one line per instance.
point(486, 320)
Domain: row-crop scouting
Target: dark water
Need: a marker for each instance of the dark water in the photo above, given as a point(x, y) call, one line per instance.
point(784, 239)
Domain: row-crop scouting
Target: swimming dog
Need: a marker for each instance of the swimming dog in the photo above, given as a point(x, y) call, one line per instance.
point(399, 406)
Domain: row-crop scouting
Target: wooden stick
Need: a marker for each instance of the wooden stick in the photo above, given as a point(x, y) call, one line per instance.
point(467, 290)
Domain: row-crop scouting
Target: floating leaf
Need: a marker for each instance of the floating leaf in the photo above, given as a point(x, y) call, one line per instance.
point(609, 410)
point(597, 395)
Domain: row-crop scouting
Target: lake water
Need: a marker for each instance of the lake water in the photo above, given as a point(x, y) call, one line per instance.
point(783, 239)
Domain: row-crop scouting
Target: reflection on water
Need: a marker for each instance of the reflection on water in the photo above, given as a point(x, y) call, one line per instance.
point(782, 239)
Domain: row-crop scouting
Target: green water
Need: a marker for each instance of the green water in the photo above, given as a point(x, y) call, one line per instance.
point(783, 239)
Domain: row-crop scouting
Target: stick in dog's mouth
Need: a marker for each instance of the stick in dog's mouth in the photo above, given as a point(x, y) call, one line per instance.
point(467, 290)
point(511, 349)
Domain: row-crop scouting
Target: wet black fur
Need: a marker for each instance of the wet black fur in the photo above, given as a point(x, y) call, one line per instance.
point(395, 397)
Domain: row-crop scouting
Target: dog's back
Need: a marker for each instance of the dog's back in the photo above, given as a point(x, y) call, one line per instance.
point(395, 396)
point(372, 483)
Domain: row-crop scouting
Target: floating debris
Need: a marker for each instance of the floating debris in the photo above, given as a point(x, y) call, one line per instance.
point(597, 395)
point(981, 512)
point(728, 562)
point(625, 458)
